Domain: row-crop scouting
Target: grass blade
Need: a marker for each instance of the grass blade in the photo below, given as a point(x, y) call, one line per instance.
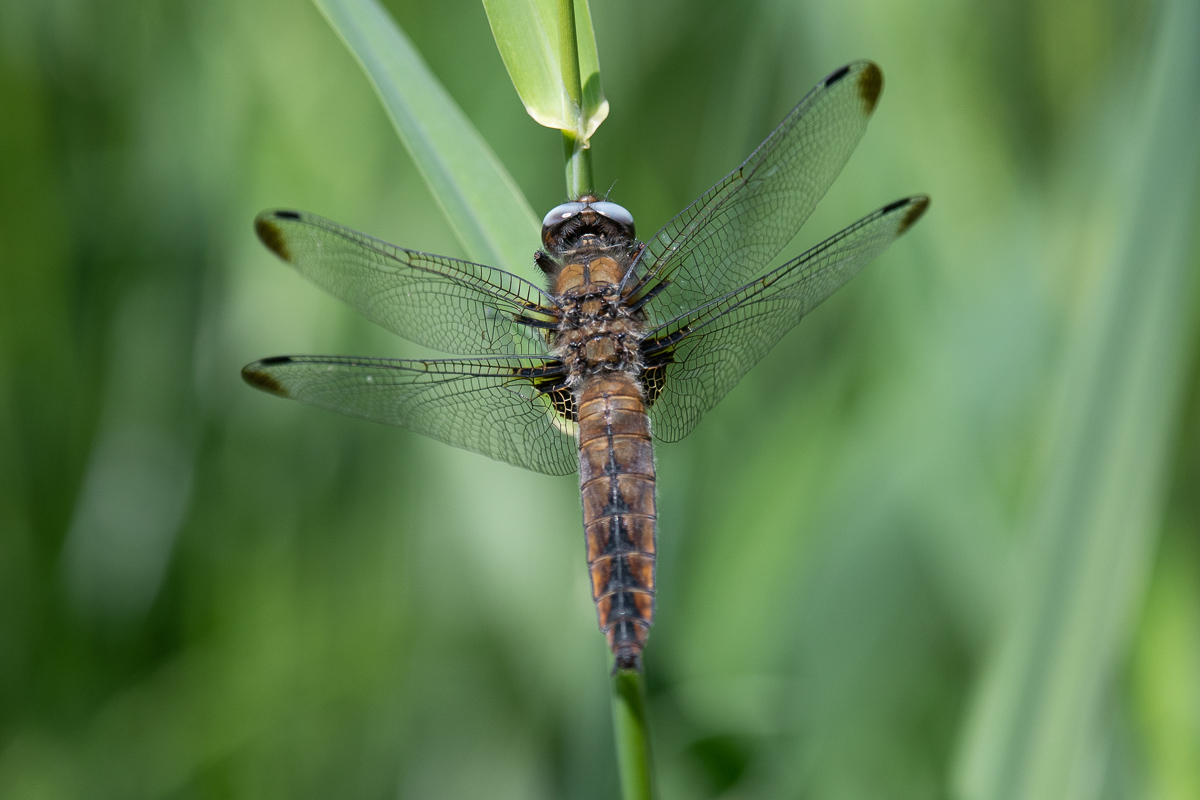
point(1035, 731)
point(528, 35)
point(486, 210)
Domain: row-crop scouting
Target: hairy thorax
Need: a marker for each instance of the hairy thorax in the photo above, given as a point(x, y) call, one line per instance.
point(598, 334)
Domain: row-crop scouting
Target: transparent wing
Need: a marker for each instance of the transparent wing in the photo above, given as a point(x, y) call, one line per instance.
point(443, 303)
point(510, 409)
point(694, 360)
point(730, 235)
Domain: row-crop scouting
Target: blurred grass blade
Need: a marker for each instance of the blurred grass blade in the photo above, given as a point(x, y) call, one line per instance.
point(632, 734)
point(485, 208)
point(527, 35)
point(1035, 733)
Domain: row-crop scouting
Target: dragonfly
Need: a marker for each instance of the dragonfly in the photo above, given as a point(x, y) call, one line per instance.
point(629, 341)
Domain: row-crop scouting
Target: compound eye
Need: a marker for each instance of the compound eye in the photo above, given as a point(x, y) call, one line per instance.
point(560, 213)
point(616, 213)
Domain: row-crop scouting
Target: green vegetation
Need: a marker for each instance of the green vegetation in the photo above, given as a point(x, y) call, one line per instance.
point(631, 729)
point(549, 48)
point(942, 542)
point(486, 210)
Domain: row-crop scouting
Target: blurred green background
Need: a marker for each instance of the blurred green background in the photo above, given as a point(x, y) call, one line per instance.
point(941, 543)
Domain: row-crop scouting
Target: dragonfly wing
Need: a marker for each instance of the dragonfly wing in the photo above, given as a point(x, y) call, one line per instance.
point(730, 235)
point(443, 303)
point(694, 360)
point(511, 409)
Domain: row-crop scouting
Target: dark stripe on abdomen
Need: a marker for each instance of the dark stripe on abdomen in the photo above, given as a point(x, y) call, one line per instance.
point(616, 480)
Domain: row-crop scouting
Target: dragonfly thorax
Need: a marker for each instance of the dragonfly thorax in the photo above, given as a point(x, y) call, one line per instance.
point(597, 332)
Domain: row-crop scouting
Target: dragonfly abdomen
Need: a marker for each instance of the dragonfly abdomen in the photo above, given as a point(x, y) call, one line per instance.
point(616, 479)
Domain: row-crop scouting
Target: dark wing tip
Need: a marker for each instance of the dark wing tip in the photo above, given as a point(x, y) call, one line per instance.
point(270, 234)
point(870, 84)
point(916, 207)
point(836, 75)
point(256, 376)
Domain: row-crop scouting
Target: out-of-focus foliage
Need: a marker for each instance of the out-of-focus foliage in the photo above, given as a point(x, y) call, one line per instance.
point(208, 592)
point(1038, 727)
point(486, 210)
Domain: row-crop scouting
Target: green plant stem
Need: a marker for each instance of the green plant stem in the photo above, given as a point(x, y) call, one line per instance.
point(579, 166)
point(579, 157)
point(634, 760)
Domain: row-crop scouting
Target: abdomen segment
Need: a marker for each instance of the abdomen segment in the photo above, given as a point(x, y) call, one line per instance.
point(616, 479)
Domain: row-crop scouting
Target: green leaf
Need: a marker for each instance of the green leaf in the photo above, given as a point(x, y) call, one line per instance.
point(487, 211)
point(1037, 728)
point(527, 33)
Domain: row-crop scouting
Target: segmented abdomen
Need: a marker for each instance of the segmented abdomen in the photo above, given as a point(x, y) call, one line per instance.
point(616, 479)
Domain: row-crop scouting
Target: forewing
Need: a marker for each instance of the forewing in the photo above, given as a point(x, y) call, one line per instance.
point(503, 408)
point(730, 235)
point(694, 360)
point(443, 303)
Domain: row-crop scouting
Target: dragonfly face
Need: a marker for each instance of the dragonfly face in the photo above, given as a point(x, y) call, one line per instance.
point(587, 216)
point(627, 340)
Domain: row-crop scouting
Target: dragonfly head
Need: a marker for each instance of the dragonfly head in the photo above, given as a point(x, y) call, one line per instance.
point(587, 221)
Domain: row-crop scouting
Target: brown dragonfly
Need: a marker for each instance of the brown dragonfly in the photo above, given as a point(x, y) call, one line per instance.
point(629, 340)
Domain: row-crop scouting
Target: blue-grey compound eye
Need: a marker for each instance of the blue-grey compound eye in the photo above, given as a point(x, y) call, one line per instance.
point(616, 213)
point(559, 213)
